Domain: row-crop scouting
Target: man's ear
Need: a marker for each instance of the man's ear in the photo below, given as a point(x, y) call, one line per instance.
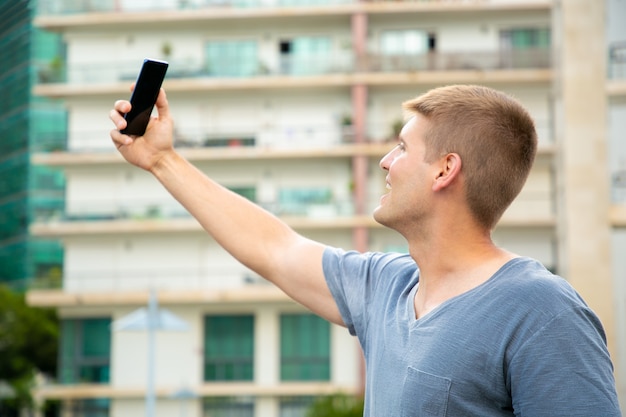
point(449, 170)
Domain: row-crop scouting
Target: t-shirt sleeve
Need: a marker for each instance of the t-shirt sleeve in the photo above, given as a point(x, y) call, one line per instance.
point(347, 278)
point(564, 369)
point(353, 278)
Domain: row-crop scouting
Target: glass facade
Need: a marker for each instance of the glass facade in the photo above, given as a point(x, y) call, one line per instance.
point(26, 125)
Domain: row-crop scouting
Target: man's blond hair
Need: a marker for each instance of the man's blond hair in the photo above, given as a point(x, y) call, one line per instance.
point(493, 134)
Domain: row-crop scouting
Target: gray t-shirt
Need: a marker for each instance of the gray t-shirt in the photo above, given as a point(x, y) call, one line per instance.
point(523, 343)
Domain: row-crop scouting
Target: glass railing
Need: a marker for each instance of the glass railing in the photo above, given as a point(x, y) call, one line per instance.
point(460, 61)
point(100, 73)
point(284, 137)
point(269, 138)
point(126, 71)
point(142, 209)
point(98, 210)
point(118, 278)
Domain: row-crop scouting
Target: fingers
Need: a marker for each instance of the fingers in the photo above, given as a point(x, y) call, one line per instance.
point(120, 139)
point(116, 115)
point(121, 107)
point(163, 107)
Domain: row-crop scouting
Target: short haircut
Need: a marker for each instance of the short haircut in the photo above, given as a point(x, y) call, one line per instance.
point(493, 134)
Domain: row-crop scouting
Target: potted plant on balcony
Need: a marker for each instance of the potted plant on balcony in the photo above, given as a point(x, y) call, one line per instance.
point(166, 50)
point(347, 130)
point(396, 128)
point(53, 71)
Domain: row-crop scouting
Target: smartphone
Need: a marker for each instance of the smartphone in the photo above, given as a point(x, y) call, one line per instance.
point(144, 96)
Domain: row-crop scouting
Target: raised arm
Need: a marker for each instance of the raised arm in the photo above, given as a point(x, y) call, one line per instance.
point(252, 235)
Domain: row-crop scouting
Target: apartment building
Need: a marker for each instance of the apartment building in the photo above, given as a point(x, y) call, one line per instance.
point(292, 103)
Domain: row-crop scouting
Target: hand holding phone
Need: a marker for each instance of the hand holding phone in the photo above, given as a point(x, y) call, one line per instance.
point(144, 96)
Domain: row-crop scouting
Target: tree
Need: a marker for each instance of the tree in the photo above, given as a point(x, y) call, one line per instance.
point(28, 347)
point(337, 405)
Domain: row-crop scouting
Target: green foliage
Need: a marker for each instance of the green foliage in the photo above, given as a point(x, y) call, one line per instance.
point(337, 405)
point(28, 345)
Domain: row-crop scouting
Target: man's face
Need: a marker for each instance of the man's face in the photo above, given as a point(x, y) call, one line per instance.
point(409, 179)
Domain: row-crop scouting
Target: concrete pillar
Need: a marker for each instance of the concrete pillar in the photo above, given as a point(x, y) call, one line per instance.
point(359, 118)
point(582, 137)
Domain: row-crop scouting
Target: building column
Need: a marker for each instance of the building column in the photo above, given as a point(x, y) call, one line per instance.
point(582, 138)
point(359, 118)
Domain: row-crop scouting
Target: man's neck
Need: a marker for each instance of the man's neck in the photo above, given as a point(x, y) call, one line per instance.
point(447, 271)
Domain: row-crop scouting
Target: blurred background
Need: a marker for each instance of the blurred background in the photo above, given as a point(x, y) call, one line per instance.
point(114, 302)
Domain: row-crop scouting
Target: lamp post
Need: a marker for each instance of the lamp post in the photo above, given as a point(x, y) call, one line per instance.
point(150, 319)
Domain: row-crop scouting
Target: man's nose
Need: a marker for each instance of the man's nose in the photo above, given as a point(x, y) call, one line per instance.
point(386, 160)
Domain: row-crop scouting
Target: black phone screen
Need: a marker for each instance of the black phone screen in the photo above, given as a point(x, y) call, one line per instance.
point(144, 96)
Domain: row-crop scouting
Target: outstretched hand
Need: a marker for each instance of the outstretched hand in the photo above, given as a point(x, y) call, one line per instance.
point(144, 151)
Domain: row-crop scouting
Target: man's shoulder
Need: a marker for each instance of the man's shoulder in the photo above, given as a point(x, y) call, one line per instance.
point(527, 279)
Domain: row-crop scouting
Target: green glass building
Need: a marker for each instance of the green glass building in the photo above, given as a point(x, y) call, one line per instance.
point(28, 124)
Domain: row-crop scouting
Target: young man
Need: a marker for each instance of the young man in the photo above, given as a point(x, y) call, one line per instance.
point(459, 327)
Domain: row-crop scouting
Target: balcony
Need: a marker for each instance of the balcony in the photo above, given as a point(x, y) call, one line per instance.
point(235, 143)
point(137, 216)
point(188, 8)
point(330, 71)
point(119, 216)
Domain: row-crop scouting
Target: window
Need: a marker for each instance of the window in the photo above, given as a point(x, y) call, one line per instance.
point(232, 58)
point(406, 42)
point(406, 49)
point(305, 55)
point(85, 350)
point(247, 192)
point(525, 48)
point(228, 407)
point(228, 348)
point(295, 406)
point(521, 38)
point(296, 201)
point(304, 348)
point(92, 407)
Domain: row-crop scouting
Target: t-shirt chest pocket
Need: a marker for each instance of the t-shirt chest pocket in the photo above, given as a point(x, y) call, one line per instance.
point(424, 394)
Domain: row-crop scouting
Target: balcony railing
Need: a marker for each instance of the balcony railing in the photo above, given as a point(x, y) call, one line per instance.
point(141, 209)
point(65, 7)
point(98, 210)
point(278, 137)
point(124, 279)
point(458, 61)
point(344, 63)
point(269, 138)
